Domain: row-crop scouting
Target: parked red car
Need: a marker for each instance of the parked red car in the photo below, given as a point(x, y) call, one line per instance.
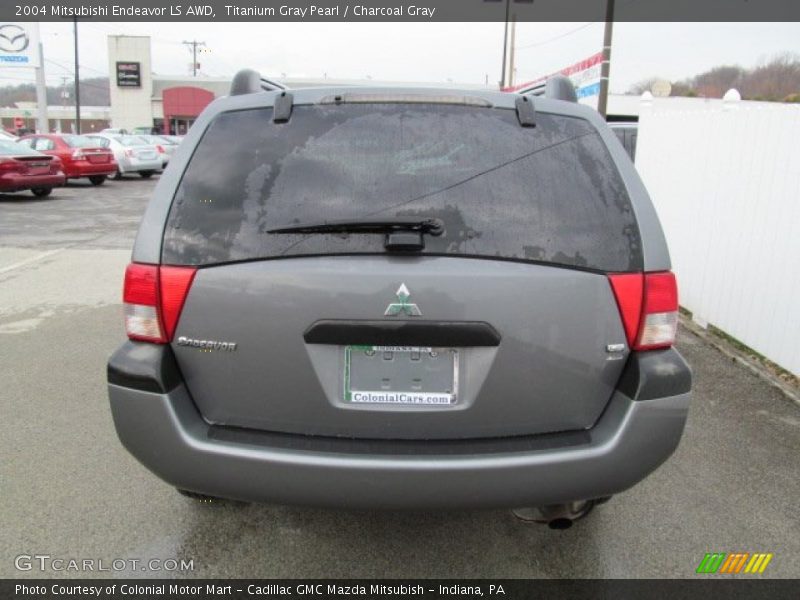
point(22, 168)
point(80, 155)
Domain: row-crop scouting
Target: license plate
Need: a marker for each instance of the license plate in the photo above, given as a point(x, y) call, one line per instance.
point(408, 375)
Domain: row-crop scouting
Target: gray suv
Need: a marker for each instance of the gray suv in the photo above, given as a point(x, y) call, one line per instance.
point(400, 298)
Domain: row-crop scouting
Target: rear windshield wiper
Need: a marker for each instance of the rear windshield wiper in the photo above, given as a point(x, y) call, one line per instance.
point(384, 225)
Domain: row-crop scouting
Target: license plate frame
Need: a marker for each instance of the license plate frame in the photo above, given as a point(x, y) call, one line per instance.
point(405, 367)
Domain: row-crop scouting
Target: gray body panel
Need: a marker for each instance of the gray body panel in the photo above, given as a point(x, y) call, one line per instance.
point(167, 434)
point(544, 415)
point(551, 371)
point(147, 248)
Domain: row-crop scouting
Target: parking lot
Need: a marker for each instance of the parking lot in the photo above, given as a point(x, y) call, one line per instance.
point(70, 490)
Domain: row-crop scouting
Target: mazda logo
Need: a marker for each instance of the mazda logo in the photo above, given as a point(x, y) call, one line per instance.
point(13, 38)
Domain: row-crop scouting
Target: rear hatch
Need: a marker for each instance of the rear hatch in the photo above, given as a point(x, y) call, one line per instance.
point(505, 324)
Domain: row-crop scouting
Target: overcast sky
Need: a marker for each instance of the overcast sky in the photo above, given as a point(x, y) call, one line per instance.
point(426, 52)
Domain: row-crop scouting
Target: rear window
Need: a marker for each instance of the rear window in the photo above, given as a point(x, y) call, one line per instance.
point(17, 149)
point(548, 194)
point(100, 142)
point(132, 140)
point(79, 141)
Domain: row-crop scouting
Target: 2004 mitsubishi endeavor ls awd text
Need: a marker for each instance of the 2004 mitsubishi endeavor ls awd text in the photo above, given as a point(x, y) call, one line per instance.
point(400, 298)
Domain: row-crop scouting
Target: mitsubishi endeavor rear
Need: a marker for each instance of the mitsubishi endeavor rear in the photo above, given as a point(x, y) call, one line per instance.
point(400, 298)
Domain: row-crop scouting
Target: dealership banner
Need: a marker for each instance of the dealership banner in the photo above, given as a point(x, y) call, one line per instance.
point(399, 10)
point(19, 45)
point(584, 74)
point(701, 587)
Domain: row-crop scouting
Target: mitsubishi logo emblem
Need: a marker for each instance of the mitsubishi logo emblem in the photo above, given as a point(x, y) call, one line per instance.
point(402, 306)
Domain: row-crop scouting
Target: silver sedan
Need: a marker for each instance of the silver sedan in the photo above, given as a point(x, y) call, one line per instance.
point(132, 152)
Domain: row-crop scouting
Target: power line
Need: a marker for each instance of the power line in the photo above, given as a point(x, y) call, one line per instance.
point(557, 37)
point(70, 71)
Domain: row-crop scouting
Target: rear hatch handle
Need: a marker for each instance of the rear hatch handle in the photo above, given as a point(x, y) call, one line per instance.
point(447, 334)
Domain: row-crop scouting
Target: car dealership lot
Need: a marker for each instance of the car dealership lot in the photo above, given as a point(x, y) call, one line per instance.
point(71, 491)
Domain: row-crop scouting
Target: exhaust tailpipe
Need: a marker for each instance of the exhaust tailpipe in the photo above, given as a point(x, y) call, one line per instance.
point(555, 516)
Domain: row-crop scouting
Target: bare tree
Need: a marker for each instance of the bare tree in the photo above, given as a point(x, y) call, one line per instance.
point(777, 79)
point(640, 87)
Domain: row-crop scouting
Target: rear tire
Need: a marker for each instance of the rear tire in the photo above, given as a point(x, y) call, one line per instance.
point(118, 175)
point(97, 179)
point(41, 192)
point(146, 174)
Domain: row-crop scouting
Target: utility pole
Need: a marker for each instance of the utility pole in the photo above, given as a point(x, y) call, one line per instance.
point(42, 124)
point(64, 96)
point(194, 44)
point(505, 40)
point(505, 46)
point(605, 67)
point(511, 50)
point(77, 82)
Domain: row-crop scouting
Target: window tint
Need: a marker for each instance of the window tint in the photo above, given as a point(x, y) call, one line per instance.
point(131, 140)
point(79, 141)
point(43, 144)
point(100, 142)
point(14, 148)
point(547, 194)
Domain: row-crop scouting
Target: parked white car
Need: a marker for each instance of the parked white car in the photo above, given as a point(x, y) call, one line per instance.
point(132, 153)
point(164, 146)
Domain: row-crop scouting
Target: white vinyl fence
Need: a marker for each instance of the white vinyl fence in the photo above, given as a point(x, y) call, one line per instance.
point(725, 180)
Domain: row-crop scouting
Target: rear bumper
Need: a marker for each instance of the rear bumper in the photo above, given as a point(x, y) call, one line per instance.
point(91, 169)
point(163, 429)
point(134, 165)
point(12, 182)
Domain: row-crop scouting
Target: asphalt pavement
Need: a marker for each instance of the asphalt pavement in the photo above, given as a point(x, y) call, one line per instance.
point(70, 491)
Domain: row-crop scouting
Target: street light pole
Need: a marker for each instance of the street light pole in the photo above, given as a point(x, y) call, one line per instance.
point(77, 81)
point(605, 67)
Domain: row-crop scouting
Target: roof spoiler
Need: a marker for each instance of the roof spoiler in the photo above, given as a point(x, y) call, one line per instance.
point(557, 87)
point(248, 81)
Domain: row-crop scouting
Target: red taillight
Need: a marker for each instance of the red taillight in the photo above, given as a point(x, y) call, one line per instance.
point(648, 305)
point(78, 155)
point(10, 165)
point(160, 149)
point(153, 298)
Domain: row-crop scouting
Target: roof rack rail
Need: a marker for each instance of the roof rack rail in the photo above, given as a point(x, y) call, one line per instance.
point(557, 87)
point(248, 81)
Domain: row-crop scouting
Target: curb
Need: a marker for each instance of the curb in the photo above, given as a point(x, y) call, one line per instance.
point(742, 359)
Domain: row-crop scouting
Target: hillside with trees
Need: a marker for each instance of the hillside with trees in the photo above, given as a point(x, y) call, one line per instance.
point(777, 80)
point(94, 92)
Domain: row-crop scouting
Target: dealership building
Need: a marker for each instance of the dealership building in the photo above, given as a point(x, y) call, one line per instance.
point(168, 103)
point(141, 98)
